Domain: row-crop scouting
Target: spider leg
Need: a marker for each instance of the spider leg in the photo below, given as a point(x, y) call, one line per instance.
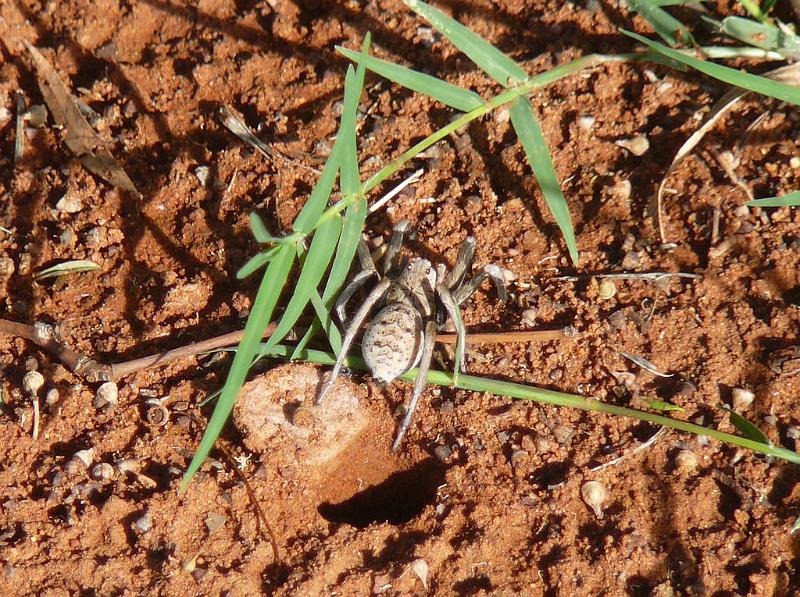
point(395, 243)
point(364, 256)
point(470, 286)
point(464, 259)
point(419, 383)
point(450, 303)
point(349, 290)
point(373, 297)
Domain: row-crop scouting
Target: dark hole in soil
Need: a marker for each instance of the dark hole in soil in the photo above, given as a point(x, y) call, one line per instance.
point(398, 499)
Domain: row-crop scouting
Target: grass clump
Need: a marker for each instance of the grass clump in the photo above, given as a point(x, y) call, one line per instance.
point(334, 230)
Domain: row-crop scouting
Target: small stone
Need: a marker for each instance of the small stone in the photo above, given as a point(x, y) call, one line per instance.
point(686, 461)
point(83, 457)
point(102, 471)
point(199, 573)
point(636, 145)
point(617, 320)
point(508, 275)
point(502, 115)
point(606, 290)
point(143, 523)
point(202, 173)
point(586, 122)
point(442, 452)
point(594, 494)
point(215, 522)
point(502, 436)
point(518, 456)
point(36, 116)
point(69, 204)
point(622, 190)
point(447, 407)
point(793, 432)
point(107, 393)
point(7, 266)
point(67, 237)
point(543, 445)
point(529, 317)
point(563, 433)
point(632, 260)
point(741, 399)
point(794, 162)
point(52, 397)
point(95, 237)
point(420, 569)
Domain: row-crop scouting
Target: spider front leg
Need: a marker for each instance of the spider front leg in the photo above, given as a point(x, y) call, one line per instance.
point(373, 297)
point(357, 282)
point(395, 244)
point(464, 259)
point(469, 287)
point(419, 384)
point(453, 310)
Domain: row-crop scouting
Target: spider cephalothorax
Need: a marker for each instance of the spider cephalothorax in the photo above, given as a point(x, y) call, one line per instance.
point(413, 301)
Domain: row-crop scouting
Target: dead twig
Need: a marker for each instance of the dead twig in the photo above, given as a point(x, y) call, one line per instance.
point(45, 336)
point(654, 276)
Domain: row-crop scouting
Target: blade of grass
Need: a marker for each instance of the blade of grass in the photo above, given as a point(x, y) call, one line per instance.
point(257, 262)
point(260, 232)
point(450, 95)
point(670, 29)
point(790, 200)
point(746, 427)
point(532, 139)
point(725, 74)
point(316, 263)
point(267, 297)
point(494, 63)
point(534, 394)
point(76, 266)
point(761, 35)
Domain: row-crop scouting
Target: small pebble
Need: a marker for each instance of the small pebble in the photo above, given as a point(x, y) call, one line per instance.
point(529, 317)
point(442, 452)
point(586, 122)
point(794, 162)
point(503, 436)
point(636, 145)
point(198, 574)
point(622, 190)
point(606, 290)
point(36, 116)
point(202, 173)
point(102, 471)
point(69, 204)
point(563, 433)
point(7, 266)
point(107, 393)
point(793, 432)
point(741, 399)
point(84, 457)
point(686, 461)
point(594, 494)
point(52, 397)
point(447, 407)
point(143, 523)
point(420, 569)
point(502, 114)
point(617, 320)
point(215, 522)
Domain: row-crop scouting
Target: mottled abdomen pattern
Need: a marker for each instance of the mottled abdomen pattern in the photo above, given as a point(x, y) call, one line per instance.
point(392, 341)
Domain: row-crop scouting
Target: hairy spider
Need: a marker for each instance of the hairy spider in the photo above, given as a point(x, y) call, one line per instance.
point(415, 301)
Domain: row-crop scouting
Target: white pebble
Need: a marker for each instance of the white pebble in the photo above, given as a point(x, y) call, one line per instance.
point(794, 162)
point(636, 145)
point(594, 494)
point(107, 393)
point(202, 173)
point(69, 204)
point(741, 399)
point(586, 122)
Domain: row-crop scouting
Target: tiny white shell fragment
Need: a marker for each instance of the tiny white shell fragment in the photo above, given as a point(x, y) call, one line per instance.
point(741, 399)
point(636, 145)
point(107, 393)
point(594, 494)
point(83, 456)
point(202, 173)
point(420, 569)
point(586, 122)
point(606, 290)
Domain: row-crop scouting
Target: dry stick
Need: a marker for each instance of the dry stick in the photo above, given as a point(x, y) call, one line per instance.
point(42, 335)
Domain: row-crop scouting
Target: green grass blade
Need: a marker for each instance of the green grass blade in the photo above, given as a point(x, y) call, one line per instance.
point(259, 229)
point(308, 217)
point(728, 75)
point(267, 297)
point(325, 321)
point(761, 35)
point(670, 29)
point(494, 63)
point(532, 139)
point(561, 399)
point(790, 200)
point(316, 263)
point(76, 266)
point(257, 262)
point(450, 95)
point(746, 427)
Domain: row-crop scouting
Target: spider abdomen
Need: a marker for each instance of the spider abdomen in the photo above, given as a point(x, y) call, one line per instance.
point(392, 342)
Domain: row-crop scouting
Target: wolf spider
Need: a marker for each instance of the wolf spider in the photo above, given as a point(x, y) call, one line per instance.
point(415, 302)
